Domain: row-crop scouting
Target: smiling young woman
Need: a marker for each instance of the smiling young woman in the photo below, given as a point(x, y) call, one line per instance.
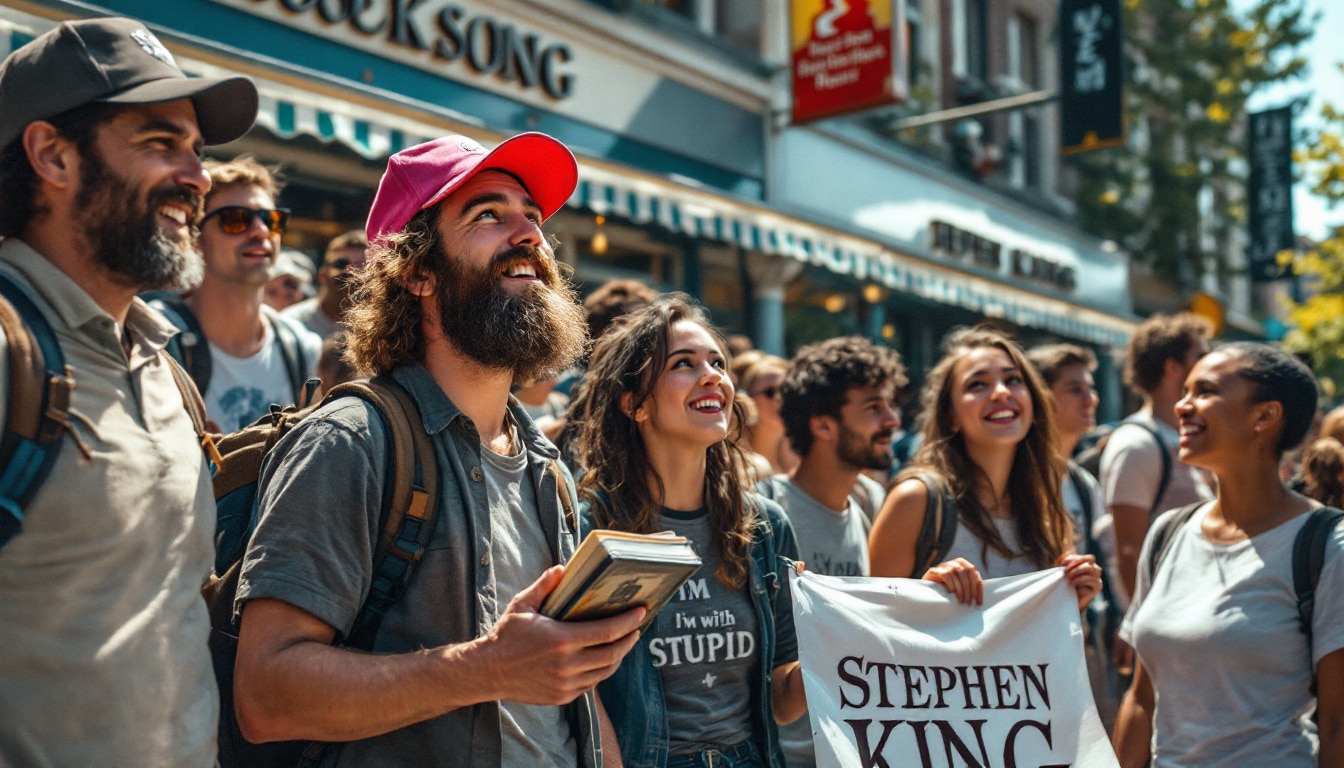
point(717, 669)
point(989, 440)
point(1223, 591)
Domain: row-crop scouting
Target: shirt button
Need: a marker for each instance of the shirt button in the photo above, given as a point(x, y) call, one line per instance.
point(476, 474)
point(485, 559)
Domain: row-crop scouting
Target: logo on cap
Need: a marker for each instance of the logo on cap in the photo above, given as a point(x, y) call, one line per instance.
point(153, 47)
point(468, 145)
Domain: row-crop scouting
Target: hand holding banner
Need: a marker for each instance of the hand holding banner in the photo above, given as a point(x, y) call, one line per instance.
point(899, 674)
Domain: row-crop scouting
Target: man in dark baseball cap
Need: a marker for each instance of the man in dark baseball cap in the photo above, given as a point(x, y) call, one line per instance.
point(102, 554)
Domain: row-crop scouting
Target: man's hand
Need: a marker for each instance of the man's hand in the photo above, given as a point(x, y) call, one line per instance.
point(533, 659)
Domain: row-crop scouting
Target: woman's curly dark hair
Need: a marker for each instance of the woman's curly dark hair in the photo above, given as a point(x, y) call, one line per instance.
point(627, 361)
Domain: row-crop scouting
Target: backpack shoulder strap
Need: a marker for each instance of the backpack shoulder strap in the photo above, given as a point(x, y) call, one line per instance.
point(1084, 492)
point(291, 351)
point(409, 508)
point(940, 524)
point(1308, 560)
point(40, 387)
point(1160, 537)
point(1166, 464)
point(189, 347)
point(565, 490)
point(195, 405)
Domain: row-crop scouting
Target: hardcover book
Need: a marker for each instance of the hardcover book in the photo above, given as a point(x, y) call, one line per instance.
point(614, 571)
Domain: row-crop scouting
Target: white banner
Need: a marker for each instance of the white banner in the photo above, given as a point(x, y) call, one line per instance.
point(899, 674)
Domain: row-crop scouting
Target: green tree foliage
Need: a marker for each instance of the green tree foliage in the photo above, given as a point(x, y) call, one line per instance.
point(1192, 64)
point(1318, 323)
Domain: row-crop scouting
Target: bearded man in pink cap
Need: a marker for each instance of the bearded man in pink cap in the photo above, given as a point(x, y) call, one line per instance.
point(461, 297)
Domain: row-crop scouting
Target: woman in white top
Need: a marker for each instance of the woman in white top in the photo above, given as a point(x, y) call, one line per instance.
point(1224, 672)
point(990, 440)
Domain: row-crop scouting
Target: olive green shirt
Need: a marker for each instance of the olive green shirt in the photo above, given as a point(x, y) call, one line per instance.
point(103, 656)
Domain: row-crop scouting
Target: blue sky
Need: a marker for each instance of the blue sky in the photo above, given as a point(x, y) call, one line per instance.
point(1324, 83)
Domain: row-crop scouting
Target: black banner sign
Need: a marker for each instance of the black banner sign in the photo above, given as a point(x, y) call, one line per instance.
point(1092, 77)
point(1269, 191)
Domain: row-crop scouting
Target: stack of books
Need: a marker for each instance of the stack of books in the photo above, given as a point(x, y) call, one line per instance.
point(614, 571)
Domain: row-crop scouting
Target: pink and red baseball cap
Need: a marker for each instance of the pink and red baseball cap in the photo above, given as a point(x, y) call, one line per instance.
point(422, 176)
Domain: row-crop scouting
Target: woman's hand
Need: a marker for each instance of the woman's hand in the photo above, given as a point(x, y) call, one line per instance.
point(961, 579)
point(1083, 574)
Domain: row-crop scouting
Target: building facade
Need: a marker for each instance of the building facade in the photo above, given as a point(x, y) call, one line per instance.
point(691, 177)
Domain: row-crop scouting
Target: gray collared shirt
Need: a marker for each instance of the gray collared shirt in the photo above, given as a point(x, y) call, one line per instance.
point(320, 503)
point(103, 633)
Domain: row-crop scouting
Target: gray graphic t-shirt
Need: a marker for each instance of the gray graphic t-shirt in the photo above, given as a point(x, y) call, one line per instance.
point(830, 543)
point(533, 735)
point(706, 648)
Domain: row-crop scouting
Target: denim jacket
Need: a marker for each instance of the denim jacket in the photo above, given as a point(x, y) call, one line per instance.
point(633, 696)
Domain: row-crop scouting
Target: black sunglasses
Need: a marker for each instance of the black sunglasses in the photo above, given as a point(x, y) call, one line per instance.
point(235, 219)
point(769, 392)
point(340, 265)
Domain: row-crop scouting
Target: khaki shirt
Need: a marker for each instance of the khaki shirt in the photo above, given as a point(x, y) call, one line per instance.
point(103, 656)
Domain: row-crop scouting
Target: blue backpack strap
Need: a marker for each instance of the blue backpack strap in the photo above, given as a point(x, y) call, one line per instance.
point(40, 387)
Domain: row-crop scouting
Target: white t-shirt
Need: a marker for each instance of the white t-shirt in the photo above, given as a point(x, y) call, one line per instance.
point(987, 560)
point(242, 389)
point(1218, 632)
point(1131, 472)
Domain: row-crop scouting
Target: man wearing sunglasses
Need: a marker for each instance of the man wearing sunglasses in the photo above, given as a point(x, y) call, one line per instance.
point(345, 256)
point(103, 633)
point(242, 354)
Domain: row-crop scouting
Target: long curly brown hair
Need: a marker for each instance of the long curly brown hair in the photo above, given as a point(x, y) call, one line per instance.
point(1044, 527)
point(627, 360)
point(382, 323)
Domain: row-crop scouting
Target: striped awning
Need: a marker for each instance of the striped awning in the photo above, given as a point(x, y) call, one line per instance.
point(700, 213)
point(682, 206)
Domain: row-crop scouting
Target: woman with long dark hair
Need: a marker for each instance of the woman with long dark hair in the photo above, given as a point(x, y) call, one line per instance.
point(989, 445)
point(717, 670)
point(1226, 666)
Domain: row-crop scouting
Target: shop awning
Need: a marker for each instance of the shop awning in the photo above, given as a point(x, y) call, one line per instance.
point(700, 213)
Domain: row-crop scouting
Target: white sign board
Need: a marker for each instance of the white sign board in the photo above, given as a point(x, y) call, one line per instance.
point(899, 674)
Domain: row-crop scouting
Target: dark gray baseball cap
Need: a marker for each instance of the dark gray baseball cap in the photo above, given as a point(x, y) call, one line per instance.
point(115, 61)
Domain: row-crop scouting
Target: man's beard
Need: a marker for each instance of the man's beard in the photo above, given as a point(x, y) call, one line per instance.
point(862, 452)
point(535, 334)
point(126, 240)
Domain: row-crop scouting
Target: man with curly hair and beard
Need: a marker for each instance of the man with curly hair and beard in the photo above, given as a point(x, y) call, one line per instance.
point(103, 630)
point(838, 404)
point(461, 298)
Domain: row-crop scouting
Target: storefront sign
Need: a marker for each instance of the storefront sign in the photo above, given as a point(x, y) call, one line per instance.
point(1092, 83)
point(446, 34)
point(1269, 191)
point(846, 56)
point(954, 242)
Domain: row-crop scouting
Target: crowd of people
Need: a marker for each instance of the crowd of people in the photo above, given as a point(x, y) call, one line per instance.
point(161, 281)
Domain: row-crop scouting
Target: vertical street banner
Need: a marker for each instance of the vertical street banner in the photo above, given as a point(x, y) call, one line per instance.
point(900, 675)
point(1091, 75)
point(847, 56)
point(1269, 192)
